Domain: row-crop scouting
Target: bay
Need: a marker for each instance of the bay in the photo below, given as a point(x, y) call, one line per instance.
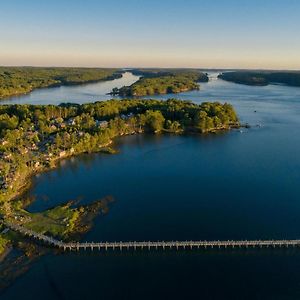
point(233, 185)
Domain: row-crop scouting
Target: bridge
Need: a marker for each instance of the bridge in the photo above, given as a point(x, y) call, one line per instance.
point(77, 246)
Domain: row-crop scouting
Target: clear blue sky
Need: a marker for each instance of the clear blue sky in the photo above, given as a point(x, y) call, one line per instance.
point(162, 33)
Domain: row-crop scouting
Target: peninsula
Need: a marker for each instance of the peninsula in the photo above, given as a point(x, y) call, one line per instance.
point(262, 78)
point(34, 138)
point(162, 82)
point(22, 80)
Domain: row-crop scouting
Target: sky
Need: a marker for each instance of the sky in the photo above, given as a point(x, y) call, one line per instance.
point(262, 34)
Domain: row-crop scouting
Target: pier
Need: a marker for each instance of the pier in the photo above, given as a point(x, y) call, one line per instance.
point(149, 245)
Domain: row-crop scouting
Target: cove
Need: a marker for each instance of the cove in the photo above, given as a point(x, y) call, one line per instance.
point(236, 185)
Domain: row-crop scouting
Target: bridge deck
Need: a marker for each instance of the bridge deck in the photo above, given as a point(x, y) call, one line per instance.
point(150, 244)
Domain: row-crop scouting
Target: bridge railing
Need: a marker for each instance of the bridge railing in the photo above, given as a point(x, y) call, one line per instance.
point(148, 244)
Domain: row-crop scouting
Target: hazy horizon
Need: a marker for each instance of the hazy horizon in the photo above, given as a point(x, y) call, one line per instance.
point(161, 34)
point(148, 67)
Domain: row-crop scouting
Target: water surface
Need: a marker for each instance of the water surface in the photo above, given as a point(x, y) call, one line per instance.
point(234, 185)
point(83, 93)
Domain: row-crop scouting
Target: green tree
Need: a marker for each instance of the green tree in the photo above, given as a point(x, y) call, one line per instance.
point(154, 120)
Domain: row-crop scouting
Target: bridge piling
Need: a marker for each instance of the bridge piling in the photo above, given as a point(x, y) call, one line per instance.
point(71, 246)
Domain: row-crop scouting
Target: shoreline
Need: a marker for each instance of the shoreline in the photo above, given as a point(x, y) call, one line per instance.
point(76, 130)
point(56, 85)
point(5, 253)
point(154, 94)
point(28, 179)
point(85, 222)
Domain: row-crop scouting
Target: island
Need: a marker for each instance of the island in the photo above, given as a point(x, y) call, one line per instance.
point(22, 80)
point(33, 138)
point(262, 78)
point(162, 82)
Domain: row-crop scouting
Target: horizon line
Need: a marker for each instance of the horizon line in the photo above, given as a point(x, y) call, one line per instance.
point(153, 67)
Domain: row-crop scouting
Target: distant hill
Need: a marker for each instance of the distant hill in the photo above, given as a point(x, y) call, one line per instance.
point(261, 78)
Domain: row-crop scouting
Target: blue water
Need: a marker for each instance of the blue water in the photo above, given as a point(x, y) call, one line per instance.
point(235, 185)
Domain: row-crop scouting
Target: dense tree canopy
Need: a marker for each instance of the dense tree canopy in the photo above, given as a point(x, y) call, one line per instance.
point(20, 80)
point(35, 136)
point(263, 77)
point(162, 82)
point(158, 72)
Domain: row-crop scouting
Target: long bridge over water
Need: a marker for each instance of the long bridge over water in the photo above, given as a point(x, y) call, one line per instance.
point(69, 246)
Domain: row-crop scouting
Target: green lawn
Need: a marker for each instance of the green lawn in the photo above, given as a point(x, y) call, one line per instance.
point(59, 221)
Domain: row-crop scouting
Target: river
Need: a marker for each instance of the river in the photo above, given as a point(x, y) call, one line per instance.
point(83, 93)
point(235, 185)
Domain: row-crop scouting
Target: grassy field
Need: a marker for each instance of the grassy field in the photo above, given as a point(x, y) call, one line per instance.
point(59, 221)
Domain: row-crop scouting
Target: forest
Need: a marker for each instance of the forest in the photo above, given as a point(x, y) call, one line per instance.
point(261, 78)
point(162, 81)
point(22, 80)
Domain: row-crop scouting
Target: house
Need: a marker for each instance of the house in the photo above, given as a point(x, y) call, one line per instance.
point(126, 117)
point(71, 122)
point(102, 124)
point(4, 142)
point(33, 147)
point(23, 151)
point(62, 154)
point(7, 156)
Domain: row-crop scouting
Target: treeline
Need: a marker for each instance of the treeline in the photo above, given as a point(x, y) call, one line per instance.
point(158, 81)
point(34, 137)
point(21, 80)
point(262, 78)
point(157, 72)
